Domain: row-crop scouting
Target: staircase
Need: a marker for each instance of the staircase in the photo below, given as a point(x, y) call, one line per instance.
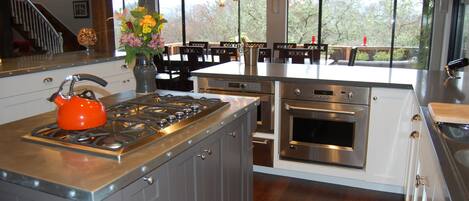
point(32, 24)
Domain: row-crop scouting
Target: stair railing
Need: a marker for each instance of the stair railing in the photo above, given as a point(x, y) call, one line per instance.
point(25, 13)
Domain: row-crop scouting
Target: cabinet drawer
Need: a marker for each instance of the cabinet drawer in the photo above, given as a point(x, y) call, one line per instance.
point(21, 84)
point(19, 107)
point(152, 186)
point(263, 152)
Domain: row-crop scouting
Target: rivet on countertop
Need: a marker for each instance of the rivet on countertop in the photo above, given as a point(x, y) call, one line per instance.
point(4, 174)
point(111, 187)
point(189, 142)
point(72, 193)
point(36, 183)
point(169, 154)
point(143, 168)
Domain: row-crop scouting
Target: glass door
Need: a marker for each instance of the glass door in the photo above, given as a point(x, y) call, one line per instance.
point(459, 43)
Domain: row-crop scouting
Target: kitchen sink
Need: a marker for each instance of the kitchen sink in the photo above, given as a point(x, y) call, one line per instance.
point(462, 156)
point(456, 132)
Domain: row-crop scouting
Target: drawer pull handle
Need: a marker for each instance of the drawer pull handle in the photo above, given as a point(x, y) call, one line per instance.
point(414, 135)
point(208, 151)
point(416, 118)
point(149, 180)
point(202, 156)
point(419, 181)
point(47, 80)
point(232, 134)
point(260, 142)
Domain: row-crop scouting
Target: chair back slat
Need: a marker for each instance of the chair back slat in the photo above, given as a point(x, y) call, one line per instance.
point(278, 46)
point(203, 44)
point(298, 55)
point(192, 53)
point(257, 44)
point(322, 47)
point(230, 44)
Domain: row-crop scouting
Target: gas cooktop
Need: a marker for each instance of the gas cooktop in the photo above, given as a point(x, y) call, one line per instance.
point(130, 124)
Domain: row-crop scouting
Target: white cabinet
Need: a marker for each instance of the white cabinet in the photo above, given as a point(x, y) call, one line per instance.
point(428, 181)
point(390, 125)
point(22, 96)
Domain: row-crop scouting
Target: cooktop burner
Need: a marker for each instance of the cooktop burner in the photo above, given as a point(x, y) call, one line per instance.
point(131, 124)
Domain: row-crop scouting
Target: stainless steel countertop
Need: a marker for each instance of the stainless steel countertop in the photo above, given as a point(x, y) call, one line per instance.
point(45, 62)
point(430, 86)
point(83, 176)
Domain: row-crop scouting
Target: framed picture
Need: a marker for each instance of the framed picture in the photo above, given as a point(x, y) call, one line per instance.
point(81, 9)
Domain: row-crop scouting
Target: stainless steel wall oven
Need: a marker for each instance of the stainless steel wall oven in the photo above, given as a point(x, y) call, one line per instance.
point(262, 89)
point(324, 123)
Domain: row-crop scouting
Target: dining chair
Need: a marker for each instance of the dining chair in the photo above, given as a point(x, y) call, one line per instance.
point(203, 44)
point(225, 54)
point(352, 56)
point(321, 47)
point(257, 44)
point(298, 55)
point(279, 54)
point(190, 58)
point(265, 53)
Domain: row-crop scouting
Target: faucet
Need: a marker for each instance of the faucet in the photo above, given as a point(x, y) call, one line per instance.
point(454, 65)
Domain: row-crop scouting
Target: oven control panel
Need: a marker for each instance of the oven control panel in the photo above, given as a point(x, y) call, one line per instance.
point(326, 93)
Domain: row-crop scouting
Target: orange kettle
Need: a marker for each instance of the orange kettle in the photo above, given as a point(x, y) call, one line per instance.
point(82, 111)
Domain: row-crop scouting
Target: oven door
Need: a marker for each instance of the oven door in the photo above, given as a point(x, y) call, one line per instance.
point(265, 110)
point(324, 132)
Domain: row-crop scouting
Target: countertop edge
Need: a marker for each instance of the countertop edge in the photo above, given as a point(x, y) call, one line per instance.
point(40, 68)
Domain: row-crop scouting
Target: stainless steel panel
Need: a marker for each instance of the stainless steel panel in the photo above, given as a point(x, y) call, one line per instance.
point(354, 156)
point(266, 108)
point(236, 85)
point(317, 92)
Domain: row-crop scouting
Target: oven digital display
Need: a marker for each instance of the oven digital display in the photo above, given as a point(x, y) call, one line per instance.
point(323, 92)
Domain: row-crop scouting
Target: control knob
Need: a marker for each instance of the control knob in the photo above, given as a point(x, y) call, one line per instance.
point(297, 91)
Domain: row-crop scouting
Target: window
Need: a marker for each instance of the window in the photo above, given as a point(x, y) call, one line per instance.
point(209, 20)
point(118, 6)
point(253, 20)
point(459, 41)
point(367, 24)
point(302, 22)
point(172, 12)
point(413, 33)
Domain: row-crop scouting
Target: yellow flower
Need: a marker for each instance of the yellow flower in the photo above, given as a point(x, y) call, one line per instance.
point(147, 21)
point(146, 29)
point(140, 9)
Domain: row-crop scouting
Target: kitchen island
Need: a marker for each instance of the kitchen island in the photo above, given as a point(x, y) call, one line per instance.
point(398, 141)
point(209, 159)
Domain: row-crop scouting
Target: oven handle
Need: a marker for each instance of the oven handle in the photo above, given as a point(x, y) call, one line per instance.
point(288, 107)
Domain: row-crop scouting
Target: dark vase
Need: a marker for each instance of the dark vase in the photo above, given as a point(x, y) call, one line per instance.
point(145, 75)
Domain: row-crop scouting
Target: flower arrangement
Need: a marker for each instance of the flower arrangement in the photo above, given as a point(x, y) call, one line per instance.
point(141, 33)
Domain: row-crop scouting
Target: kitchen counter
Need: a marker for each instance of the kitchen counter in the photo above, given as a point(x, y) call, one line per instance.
point(429, 86)
point(45, 62)
point(64, 172)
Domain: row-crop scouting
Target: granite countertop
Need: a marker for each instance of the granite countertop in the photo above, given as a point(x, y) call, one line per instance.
point(60, 171)
point(430, 86)
point(45, 62)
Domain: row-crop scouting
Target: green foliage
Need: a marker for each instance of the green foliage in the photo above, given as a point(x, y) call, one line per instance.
point(399, 55)
point(362, 56)
point(381, 56)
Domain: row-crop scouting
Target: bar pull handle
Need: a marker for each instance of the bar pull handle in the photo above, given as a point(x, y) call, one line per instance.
point(260, 142)
point(289, 107)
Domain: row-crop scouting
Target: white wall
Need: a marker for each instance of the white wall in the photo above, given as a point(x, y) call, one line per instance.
point(63, 11)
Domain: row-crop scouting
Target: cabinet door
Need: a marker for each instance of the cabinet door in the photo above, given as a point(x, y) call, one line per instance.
point(152, 187)
point(231, 163)
point(209, 171)
point(182, 174)
point(388, 138)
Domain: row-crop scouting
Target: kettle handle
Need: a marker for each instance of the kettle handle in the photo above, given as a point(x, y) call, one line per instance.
point(92, 78)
